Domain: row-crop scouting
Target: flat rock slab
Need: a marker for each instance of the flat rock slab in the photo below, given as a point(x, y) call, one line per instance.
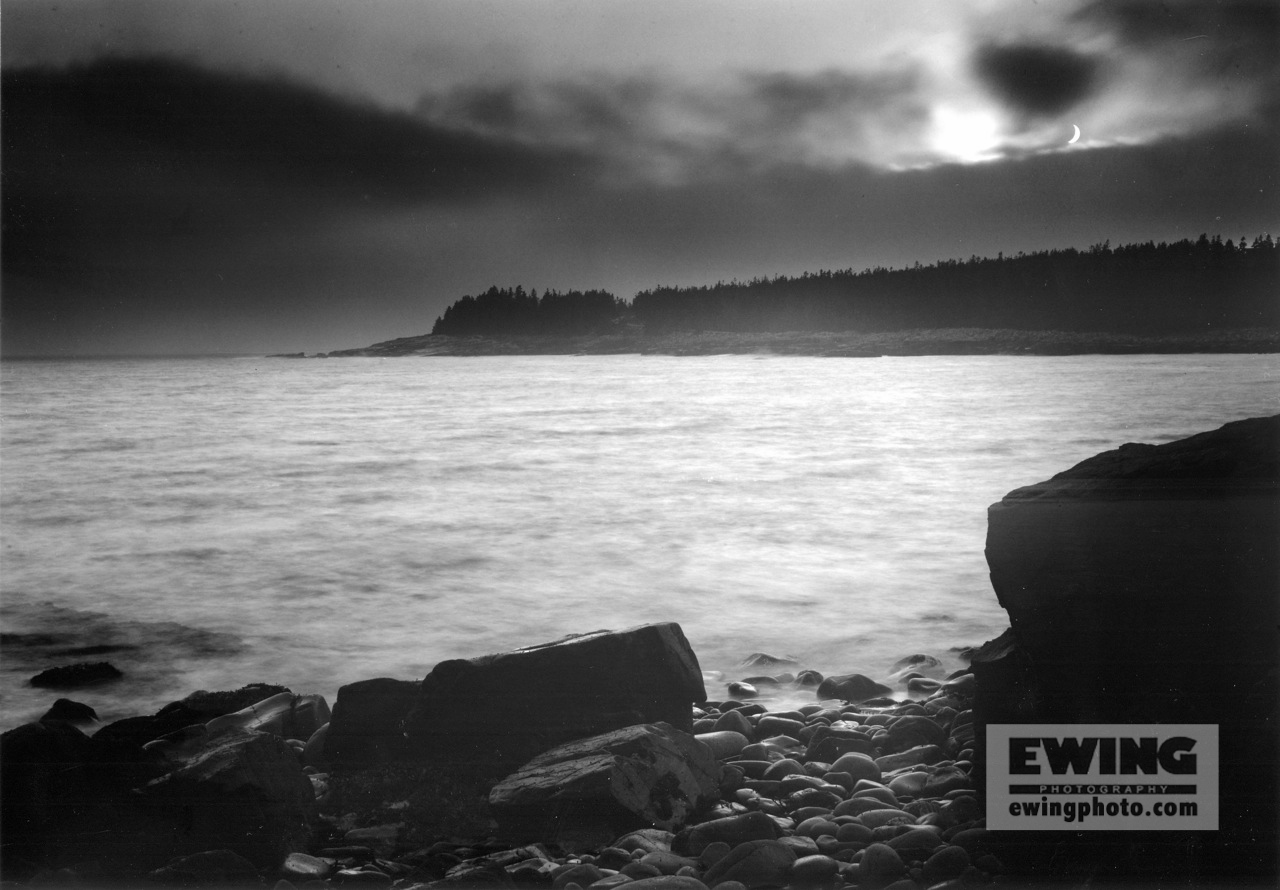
point(649, 774)
point(494, 713)
point(76, 676)
point(244, 792)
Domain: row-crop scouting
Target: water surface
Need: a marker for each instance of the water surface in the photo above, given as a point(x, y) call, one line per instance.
point(207, 523)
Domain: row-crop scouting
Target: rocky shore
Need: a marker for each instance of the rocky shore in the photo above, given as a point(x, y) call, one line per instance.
point(951, 341)
point(1141, 587)
point(871, 793)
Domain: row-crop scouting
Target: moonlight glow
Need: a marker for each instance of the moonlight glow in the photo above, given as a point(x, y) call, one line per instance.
point(969, 136)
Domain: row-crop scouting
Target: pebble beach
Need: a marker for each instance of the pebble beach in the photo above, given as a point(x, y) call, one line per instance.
point(824, 794)
point(809, 799)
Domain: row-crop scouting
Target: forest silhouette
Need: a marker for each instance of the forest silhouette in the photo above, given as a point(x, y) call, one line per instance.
point(1145, 288)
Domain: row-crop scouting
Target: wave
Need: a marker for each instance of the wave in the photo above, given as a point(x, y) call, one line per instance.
point(155, 656)
point(105, 445)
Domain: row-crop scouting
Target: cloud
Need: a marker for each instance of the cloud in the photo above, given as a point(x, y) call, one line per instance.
point(158, 196)
point(650, 127)
point(156, 113)
point(1185, 65)
point(122, 165)
point(1233, 39)
point(1037, 79)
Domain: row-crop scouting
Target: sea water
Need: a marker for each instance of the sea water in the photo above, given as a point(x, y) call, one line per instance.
point(207, 523)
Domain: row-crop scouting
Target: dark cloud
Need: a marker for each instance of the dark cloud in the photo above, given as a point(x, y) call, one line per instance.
point(117, 167)
point(1232, 38)
point(156, 114)
point(163, 131)
point(1036, 79)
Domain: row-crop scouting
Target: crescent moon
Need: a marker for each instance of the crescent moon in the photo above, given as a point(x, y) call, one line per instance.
point(1076, 138)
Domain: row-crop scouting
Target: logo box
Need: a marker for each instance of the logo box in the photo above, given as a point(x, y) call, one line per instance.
point(1102, 777)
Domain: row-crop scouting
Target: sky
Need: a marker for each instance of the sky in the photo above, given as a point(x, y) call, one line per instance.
point(210, 176)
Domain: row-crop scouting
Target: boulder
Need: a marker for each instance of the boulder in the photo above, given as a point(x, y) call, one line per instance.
point(303, 867)
point(665, 882)
point(809, 678)
point(918, 843)
point(284, 714)
point(1177, 541)
point(852, 688)
point(206, 705)
point(734, 721)
point(814, 871)
point(132, 733)
point(730, 830)
point(948, 862)
point(828, 745)
point(770, 724)
point(211, 868)
point(244, 792)
point(643, 775)
point(646, 840)
point(723, 744)
point(1143, 586)
point(366, 726)
point(911, 731)
point(74, 676)
point(582, 875)
point(857, 765)
point(494, 713)
point(197, 709)
point(759, 863)
point(1005, 685)
point(924, 665)
point(763, 660)
point(73, 712)
point(880, 865)
point(313, 752)
point(668, 863)
point(45, 791)
point(919, 755)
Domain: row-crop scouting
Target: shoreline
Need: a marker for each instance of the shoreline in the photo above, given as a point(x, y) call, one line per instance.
point(864, 786)
point(836, 344)
point(788, 783)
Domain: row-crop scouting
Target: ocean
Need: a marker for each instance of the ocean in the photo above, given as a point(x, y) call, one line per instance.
point(207, 523)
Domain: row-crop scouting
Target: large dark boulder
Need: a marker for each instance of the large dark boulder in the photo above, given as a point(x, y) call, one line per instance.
point(367, 726)
point(45, 789)
point(66, 799)
point(635, 777)
point(489, 715)
point(113, 802)
point(244, 792)
point(1143, 586)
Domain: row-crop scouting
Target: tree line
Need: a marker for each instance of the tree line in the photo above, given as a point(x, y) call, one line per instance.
point(506, 311)
point(1142, 288)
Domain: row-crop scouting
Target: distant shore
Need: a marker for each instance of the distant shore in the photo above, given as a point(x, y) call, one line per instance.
point(951, 341)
